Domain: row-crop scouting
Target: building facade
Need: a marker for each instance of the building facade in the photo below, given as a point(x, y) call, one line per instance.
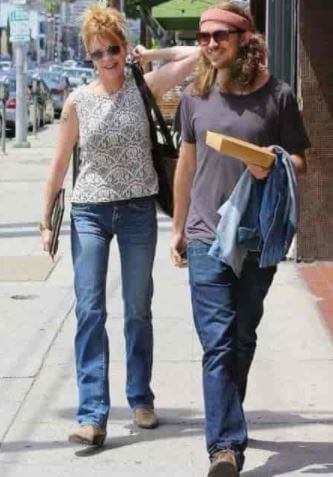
point(299, 34)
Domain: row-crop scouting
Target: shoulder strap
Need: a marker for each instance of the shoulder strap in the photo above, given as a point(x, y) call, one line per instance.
point(151, 106)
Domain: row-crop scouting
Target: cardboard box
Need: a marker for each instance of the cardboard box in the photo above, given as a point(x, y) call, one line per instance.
point(242, 150)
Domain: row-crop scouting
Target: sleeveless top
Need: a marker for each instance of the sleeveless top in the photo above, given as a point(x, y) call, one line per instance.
point(115, 146)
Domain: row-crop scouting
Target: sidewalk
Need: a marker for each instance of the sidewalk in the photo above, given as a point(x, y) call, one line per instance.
point(289, 402)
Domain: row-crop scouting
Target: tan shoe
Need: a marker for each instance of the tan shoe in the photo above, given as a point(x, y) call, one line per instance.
point(88, 435)
point(224, 464)
point(145, 417)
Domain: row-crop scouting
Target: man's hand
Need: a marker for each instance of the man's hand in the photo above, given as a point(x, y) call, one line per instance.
point(177, 247)
point(261, 172)
point(141, 54)
point(258, 172)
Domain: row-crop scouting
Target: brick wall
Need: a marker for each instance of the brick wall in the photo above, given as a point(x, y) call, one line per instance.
point(315, 87)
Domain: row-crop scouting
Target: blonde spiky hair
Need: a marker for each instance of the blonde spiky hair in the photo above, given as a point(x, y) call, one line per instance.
point(105, 22)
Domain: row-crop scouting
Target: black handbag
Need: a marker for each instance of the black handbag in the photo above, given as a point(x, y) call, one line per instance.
point(164, 153)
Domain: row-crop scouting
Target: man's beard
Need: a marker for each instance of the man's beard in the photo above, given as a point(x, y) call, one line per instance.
point(232, 76)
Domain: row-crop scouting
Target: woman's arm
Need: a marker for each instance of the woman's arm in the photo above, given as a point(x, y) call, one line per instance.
point(181, 62)
point(185, 172)
point(67, 137)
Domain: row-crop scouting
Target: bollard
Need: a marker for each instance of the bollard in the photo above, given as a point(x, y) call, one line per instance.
point(4, 95)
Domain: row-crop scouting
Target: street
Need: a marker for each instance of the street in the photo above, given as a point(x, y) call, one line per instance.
point(289, 400)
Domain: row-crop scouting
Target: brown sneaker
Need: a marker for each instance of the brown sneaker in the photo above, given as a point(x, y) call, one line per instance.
point(88, 435)
point(223, 464)
point(145, 417)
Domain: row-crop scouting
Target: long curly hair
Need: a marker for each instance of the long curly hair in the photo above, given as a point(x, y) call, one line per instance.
point(250, 59)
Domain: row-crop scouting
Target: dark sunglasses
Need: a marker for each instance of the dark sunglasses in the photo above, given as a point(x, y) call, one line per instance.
point(204, 37)
point(111, 50)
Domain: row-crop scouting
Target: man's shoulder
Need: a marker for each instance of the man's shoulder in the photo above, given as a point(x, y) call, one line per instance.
point(191, 96)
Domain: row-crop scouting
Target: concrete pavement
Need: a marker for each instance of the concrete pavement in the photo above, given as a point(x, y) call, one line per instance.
point(289, 402)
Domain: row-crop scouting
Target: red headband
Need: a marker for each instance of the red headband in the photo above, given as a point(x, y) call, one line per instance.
point(230, 18)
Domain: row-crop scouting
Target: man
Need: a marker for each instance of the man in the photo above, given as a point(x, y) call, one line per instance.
point(233, 93)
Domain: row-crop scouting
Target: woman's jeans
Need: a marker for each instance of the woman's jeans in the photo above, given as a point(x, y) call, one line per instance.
point(226, 311)
point(93, 227)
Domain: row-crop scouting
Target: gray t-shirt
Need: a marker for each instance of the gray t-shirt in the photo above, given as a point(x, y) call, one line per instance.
point(268, 116)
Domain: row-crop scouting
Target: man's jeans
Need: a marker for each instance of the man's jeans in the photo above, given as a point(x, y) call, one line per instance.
point(226, 311)
point(93, 227)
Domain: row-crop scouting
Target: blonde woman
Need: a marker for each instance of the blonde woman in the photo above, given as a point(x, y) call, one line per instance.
point(114, 195)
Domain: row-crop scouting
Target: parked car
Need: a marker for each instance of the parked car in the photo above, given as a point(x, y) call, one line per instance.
point(45, 110)
point(69, 64)
point(86, 63)
point(76, 75)
point(56, 68)
point(5, 65)
point(57, 85)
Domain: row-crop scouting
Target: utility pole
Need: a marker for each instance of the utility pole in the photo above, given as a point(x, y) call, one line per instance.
point(19, 36)
point(115, 4)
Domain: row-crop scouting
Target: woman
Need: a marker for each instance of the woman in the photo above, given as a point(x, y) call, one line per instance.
point(114, 195)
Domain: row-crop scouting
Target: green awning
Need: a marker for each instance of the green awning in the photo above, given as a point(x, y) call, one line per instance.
point(180, 15)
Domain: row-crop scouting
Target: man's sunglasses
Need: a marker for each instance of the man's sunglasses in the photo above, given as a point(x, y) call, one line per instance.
point(204, 37)
point(111, 50)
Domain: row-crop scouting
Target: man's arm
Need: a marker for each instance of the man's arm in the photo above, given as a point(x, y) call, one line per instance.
point(299, 161)
point(185, 172)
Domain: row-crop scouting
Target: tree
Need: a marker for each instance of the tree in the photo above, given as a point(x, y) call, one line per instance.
point(53, 6)
point(132, 6)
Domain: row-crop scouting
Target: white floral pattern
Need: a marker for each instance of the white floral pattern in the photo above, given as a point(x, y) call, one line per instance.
point(115, 146)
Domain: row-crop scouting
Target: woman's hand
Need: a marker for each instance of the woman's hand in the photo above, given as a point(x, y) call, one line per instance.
point(177, 248)
point(46, 239)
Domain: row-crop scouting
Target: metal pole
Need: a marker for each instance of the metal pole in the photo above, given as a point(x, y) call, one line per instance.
point(34, 124)
point(21, 103)
point(3, 127)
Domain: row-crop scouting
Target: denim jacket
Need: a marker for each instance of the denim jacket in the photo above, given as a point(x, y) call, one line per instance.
point(260, 215)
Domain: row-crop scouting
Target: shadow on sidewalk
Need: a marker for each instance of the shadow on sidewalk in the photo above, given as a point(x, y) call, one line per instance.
point(293, 456)
point(174, 423)
point(289, 456)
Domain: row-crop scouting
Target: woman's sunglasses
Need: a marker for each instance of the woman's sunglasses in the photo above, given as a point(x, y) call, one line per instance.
point(111, 50)
point(218, 36)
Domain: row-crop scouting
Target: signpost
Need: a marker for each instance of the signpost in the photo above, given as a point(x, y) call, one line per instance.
point(19, 36)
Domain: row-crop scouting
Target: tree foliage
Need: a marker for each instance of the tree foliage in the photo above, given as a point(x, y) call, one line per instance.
point(53, 6)
point(131, 7)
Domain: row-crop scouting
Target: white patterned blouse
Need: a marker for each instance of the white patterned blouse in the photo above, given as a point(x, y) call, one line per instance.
point(116, 162)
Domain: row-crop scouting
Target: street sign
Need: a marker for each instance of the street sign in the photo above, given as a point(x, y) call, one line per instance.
point(19, 25)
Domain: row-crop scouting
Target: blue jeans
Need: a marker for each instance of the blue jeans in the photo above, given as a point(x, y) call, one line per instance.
point(226, 311)
point(93, 227)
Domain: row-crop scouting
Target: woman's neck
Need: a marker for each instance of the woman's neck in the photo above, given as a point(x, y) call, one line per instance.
point(109, 86)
